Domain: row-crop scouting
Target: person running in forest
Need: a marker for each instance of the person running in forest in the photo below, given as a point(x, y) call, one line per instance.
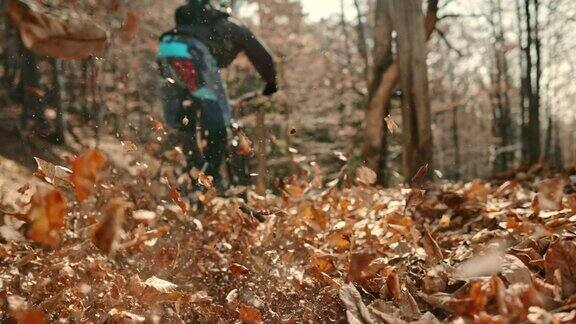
point(190, 57)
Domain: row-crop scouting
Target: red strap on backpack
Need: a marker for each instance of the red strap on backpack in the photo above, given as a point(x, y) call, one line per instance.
point(187, 72)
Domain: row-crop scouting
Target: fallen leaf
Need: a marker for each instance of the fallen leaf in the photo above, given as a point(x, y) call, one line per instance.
point(421, 173)
point(244, 145)
point(393, 284)
point(205, 181)
point(52, 174)
point(477, 190)
point(356, 310)
point(550, 193)
point(129, 26)
point(249, 314)
point(129, 146)
point(107, 234)
point(29, 316)
point(238, 270)
point(366, 176)
point(86, 169)
point(391, 124)
point(177, 199)
point(56, 33)
point(46, 217)
point(433, 252)
point(160, 284)
point(561, 256)
point(515, 271)
point(157, 126)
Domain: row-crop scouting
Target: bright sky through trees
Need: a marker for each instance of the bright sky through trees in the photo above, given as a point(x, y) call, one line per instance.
point(318, 9)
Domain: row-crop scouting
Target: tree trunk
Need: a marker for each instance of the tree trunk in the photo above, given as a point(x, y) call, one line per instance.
point(532, 75)
point(362, 46)
point(386, 75)
point(32, 103)
point(409, 24)
point(56, 101)
point(374, 151)
point(523, 93)
point(499, 92)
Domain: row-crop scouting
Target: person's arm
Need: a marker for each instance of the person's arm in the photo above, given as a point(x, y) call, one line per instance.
point(259, 56)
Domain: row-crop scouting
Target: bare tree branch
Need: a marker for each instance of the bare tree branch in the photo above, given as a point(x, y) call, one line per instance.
point(448, 43)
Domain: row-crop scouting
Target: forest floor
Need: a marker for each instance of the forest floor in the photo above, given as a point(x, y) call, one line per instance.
point(104, 238)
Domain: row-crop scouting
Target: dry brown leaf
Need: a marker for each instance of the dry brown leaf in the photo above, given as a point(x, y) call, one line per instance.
point(129, 146)
point(29, 316)
point(356, 310)
point(249, 314)
point(205, 180)
point(571, 202)
point(244, 145)
point(433, 251)
point(63, 36)
point(177, 199)
point(52, 174)
point(393, 284)
point(561, 256)
point(157, 125)
point(471, 304)
point(129, 26)
point(238, 270)
point(506, 188)
point(391, 124)
point(421, 173)
point(359, 262)
point(86, 169)
point(366, 176)
point(477, 190)
point(156, 290)
point(550, 194)
point(408, 306)
point(515, 271)
point(160, 285)
point(323, 263)
point(415, 198)
point(107, 235)
point(46, 217)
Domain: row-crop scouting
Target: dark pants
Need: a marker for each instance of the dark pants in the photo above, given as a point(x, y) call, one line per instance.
point(214, 125)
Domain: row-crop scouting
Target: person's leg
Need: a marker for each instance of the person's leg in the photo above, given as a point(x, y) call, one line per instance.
point(189, 139)
point(215, 152)
point(173, 98)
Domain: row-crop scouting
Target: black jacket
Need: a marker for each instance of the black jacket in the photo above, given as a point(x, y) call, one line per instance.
point(226, 37)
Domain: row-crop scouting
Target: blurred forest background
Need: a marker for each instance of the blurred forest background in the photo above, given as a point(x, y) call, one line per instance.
point(373, 92)
point(486, 84)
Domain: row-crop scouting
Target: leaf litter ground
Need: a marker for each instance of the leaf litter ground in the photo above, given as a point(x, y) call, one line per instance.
point(104, 242)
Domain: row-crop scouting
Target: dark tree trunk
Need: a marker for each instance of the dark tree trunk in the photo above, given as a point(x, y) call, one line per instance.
point(375, 144)
point(456, 143)
point(408, 21)
point(56, 101)
point(532, 76)
point(502, 123)
point(11, 61)
point(362, 46)
point(32, 101)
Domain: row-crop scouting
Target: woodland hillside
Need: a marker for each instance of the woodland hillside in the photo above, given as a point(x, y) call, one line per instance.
point(417, 165)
